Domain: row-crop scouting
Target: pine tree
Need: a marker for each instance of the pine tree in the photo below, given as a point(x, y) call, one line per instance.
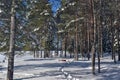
point(41, 24)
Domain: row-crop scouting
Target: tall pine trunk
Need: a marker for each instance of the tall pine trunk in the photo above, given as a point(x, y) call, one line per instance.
point(98, 47)
point(112, 45)
point(94, 35)
point(10, 70)
point(118, 37)
point(65, 45)
point(101, 29)
point(76, 43)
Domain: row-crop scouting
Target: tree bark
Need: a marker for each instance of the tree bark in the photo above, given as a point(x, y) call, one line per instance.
point(112, 46)
point(94, 37)
point(101, 30)
point(65, 44)
point(118, 43)
point(10, 70)
point(98, 47)
point(76, 43)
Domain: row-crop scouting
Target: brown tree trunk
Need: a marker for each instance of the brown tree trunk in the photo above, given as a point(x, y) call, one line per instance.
point(76, 43)
point(101, 29)
point(94, 37)
point(98, 47)
point(118, 36)
point(65, 44)
point(10, 68)
point(113, 50)
point(112, 46)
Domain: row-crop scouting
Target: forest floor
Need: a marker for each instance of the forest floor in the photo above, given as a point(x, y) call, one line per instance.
point(28, 68)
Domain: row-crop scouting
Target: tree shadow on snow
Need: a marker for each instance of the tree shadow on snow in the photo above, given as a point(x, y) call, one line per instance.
point(55, 72)
point(110, 71)
point(43, 75)
point(39, 59)
point(33, 66)
point(110, 74)
point(2, 68)
point(51, 65)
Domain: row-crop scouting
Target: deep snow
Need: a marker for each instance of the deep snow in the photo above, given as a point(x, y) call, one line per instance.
point(28, 68)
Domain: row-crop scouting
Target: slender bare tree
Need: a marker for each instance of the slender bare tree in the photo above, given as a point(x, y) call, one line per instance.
point(12, 42)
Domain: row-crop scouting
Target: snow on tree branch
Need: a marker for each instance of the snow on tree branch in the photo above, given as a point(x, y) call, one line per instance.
point(72, 21)
point(69, 23)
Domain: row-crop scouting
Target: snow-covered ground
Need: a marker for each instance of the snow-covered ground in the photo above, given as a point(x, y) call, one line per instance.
point(2, 58)
point(28, 68)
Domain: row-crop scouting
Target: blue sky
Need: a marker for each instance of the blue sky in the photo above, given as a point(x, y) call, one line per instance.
point(55, 5)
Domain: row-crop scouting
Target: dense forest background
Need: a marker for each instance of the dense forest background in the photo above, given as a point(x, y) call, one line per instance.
point(80, 27)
